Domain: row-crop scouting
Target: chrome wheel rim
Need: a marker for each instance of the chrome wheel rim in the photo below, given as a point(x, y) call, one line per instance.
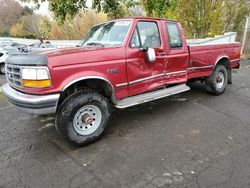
point(220, 79)
point(87, 120)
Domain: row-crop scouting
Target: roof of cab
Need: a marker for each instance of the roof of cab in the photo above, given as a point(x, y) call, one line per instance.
point(139, 18)
point(149, 18)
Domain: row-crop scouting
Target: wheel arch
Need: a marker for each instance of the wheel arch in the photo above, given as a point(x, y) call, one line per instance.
point(98, 83)
point(224, 60)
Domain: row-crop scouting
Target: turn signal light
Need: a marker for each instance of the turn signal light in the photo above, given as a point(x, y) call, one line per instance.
point(37, 83)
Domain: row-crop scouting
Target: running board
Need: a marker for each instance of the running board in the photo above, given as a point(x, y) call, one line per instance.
point(154, 95)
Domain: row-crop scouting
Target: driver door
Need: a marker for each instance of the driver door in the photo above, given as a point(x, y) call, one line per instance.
point(142, 75)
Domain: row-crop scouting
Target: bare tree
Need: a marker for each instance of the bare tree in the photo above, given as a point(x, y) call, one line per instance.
point(10, 12)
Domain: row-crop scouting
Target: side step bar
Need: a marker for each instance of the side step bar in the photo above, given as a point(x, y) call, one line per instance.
point(154, 95)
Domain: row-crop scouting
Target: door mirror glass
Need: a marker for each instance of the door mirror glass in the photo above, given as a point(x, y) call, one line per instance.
point(150, 53)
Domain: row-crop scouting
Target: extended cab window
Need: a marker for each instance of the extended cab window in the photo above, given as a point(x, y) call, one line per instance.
point(174, 35)
point(148, 35)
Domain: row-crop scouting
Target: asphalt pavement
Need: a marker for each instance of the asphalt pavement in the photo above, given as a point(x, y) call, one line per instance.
point(188, 140)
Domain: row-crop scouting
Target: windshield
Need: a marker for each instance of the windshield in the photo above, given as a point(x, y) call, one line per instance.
point(107, 34)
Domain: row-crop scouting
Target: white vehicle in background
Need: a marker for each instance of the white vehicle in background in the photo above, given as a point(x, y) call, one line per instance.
point(9, 47)
point(36, 47)
point(6, 42)
point(3, 57)
point(5, 52)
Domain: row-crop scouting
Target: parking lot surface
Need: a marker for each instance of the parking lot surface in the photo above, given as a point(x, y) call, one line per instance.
point(189, 140)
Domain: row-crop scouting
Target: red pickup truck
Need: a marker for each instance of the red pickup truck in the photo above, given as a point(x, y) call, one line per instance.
point(121, 63)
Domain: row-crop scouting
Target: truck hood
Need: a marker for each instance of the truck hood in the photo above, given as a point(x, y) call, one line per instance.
point(62, 56)
point(66, 51)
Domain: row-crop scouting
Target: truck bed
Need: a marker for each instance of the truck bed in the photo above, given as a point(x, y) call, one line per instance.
point(204, 57)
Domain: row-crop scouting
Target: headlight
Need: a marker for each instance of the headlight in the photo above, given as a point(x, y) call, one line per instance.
point(36, 77)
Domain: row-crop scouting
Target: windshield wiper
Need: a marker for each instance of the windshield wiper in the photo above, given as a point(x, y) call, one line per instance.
point(95, 44)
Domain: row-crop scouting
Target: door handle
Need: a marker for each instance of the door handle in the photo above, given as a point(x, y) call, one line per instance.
point(162, 54)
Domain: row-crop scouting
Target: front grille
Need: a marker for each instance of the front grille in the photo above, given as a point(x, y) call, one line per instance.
point(13, 74)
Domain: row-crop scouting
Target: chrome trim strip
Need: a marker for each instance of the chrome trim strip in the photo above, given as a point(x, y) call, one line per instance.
point(122, 84)
point(149, 78)
point(146, 78)
point(203, 67)
point(234, 60)
point(177, 72)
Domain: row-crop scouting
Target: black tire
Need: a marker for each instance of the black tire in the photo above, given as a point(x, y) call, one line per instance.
point(2, 68)
point(217, 82)
point(66, 117)
point(190, 83)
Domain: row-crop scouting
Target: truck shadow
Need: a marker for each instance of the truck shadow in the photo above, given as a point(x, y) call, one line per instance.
point(126, 121)
point(168, 104)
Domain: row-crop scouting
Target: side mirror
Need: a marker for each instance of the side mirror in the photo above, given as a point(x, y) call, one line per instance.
point(150, 54)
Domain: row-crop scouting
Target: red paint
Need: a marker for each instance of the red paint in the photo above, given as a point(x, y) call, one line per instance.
point(67, 65)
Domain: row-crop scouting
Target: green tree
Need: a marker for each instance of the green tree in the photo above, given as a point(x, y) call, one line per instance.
point(202, 18)
point(199, 16)
point(69, 8)
point(135, 10)
point(66, 8)
point(113, 8)
point(235, 14)
point(171, 11)
point(160, 8)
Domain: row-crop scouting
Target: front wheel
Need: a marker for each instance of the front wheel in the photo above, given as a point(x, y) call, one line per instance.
point(217, 82)
point(83, 117)
point(2, 68)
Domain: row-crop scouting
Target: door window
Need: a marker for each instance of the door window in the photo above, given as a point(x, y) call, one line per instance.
point(146, 35)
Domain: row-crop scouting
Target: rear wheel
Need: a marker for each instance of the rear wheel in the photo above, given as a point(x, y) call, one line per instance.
point(83, 117)
point(217, 82)
point(2, 68)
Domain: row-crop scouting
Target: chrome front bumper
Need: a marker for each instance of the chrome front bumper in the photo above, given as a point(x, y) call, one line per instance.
point(32, 104)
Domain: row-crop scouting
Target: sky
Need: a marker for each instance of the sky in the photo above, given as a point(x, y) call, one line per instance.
point(44, 8)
